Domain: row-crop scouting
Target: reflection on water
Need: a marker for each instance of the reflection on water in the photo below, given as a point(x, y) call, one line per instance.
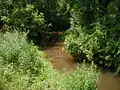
point(63, 61)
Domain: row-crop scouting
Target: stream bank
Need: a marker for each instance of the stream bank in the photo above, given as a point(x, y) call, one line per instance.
point(64, 62)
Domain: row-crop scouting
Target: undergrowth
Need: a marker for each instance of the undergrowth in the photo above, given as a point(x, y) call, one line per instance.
point(24, 67)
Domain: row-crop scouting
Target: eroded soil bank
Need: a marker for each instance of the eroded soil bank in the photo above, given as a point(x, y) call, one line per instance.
point(64, 62)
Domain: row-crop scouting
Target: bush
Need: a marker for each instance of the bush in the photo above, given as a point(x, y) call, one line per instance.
point(84, 12)
point(81, 42)
point(98, 40)
point(25, 19)
point(21, 16)
point(22, 66)
point(26, 14)
point(6, 6)
point(83, 78)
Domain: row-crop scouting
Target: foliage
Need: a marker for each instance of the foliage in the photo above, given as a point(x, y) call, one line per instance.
point(25, 19)
point(84, 12)
point(98, 40)
point(35, 16)
point(83, 78)
point(54, 11)
point(20, 15)
point(6, 6)
point(110, 48)
point(22, 65)
point(81, 42)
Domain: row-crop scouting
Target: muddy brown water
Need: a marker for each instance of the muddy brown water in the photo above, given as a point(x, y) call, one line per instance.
point(61, 60)
point(64, 62)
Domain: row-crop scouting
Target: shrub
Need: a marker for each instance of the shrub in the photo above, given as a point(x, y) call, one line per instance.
point(83, 78)
point(25, 19)
point(22, 16)
point(98, 40)
point(84, 12)
point(26, 14)
point(22, 66)
point(81, 42)
point(6, 6)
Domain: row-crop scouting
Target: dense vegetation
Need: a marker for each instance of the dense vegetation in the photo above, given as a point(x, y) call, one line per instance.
point(95, 31)
point(92, 31)
point(23, 66)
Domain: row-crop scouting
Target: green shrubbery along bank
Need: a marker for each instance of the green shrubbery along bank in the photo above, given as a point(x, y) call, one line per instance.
point(93, 31)
point(22, 65)
point(96, 36)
